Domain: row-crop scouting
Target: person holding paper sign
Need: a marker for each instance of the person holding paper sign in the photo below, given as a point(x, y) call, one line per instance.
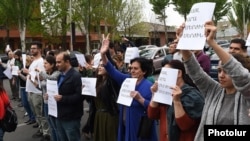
point(107, 112)
point(69, 100)
point(24, 94)
point(9, 64)
point(15, 81)
point(129, 117)
point(227, 100)
point(180, 121)
point(50, 73)
point(88, 71)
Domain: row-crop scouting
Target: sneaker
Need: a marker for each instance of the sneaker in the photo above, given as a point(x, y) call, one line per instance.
point(38, 134)
point(45, 138)
point(27, 121)
point(31, 122)
point(35, 126)
point(87, 136)
point(20, 105)
point(13, 98)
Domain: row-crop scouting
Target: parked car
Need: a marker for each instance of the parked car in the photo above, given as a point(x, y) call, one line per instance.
point(140, 48)
point(157, 54)
point(4, 58)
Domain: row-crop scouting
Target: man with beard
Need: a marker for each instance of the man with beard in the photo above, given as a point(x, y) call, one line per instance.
point(35, 97)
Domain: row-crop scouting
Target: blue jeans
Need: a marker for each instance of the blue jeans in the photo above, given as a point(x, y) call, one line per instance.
point(68, 130)
point(25, 102)
point(1, 134)
point(51, 122)
point(54, 132)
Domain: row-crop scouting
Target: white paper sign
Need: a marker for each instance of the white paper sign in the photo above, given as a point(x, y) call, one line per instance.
point(81, 59)
point(24, 60)
point(52, 90)
point(7, 72)
point(193, 37)
point(167, 79)
point(89, 86)
point(131, 53)
point(7, 48)
point(15, 70)
point(124, 97)
point(248, 40)
point(97, 59)
point(33, 75)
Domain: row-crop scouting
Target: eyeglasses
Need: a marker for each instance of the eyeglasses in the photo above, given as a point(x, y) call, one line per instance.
point(33, 48)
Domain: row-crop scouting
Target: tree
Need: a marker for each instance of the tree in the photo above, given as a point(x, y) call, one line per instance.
point(51, 28)
point(19, 13)
point(56, 20)
point(129, 16)
point(159, 8)
point(221, 9)
point(241, 11)
point(86, 12)
point(183, 6)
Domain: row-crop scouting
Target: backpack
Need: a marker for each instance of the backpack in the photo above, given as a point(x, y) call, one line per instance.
point(9, 122)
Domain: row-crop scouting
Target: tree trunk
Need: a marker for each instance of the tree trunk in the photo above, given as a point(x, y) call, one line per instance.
point(22, 31)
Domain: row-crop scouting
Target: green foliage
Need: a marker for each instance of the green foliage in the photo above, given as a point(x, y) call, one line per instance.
point(235, 17)
point(221, 9)
point(130, 15)
point(159, 6)
point(183, 6)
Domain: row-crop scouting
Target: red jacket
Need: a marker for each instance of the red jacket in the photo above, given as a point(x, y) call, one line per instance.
point(160, 113)
point(187, 125)
point(4, 101)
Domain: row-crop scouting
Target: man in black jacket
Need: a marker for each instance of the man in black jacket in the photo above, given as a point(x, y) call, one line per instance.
point(69, 100)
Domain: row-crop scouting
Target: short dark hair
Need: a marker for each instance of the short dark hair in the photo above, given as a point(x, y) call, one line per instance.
point(145, 64)
point(18, 52)
point(239, 41)
point(66, 56)
point(37, 43)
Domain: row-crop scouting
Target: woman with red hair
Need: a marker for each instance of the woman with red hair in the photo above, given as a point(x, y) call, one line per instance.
point(4, 101)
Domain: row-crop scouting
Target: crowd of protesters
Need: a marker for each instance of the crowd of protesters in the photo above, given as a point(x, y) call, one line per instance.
point(198, 99)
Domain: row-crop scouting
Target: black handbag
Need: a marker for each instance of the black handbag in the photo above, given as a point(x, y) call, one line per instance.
point(145, 127)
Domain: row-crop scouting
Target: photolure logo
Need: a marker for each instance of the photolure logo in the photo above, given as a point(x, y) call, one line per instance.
point(235, 132)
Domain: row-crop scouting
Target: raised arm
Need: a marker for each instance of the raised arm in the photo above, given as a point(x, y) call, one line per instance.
point(186, 54)
point(210, 32)
point(104, 48)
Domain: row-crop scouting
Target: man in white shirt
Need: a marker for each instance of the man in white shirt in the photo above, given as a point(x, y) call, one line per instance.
point(33, 88)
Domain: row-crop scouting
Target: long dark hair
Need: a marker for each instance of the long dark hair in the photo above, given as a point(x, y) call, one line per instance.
point(51, 60)
point(177, 64)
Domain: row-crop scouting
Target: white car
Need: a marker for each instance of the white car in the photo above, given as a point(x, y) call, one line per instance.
point(157, 54)
point(140, 48)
